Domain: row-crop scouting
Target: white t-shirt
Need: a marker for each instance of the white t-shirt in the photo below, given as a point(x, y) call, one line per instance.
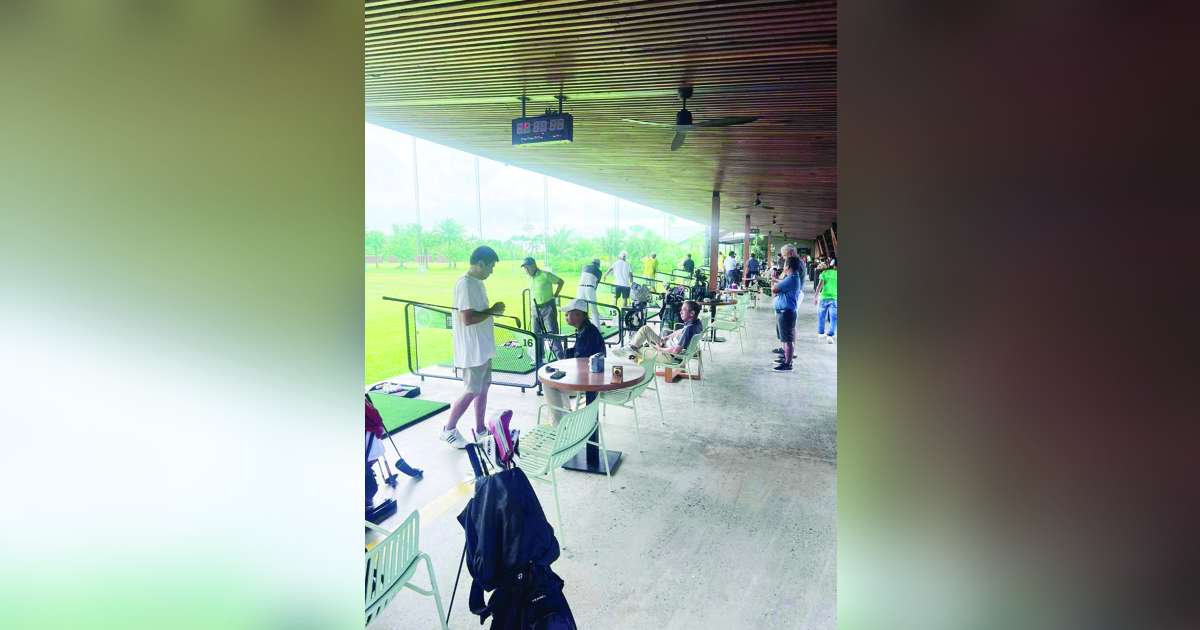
point(730, 263)
point(474, 344)
point(622, 274)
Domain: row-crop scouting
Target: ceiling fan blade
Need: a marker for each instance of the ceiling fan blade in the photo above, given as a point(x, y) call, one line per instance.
point(646, 122)
point(727, 121)
point(767, 207)
point(677, 141)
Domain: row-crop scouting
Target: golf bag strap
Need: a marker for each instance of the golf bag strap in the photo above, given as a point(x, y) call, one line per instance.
point(477, 604)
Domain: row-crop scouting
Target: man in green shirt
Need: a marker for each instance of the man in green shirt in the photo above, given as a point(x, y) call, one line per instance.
point(826, 297)
point(544, 288)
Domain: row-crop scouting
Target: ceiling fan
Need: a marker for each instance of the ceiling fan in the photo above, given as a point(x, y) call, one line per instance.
point(684, 124)
point(757, 205)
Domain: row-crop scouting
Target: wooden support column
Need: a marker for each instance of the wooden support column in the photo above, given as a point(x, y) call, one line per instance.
point(745, 249)
point(714, 230)
point(833, 235)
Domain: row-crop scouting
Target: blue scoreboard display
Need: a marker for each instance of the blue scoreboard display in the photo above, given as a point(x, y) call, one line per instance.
point(545, 128)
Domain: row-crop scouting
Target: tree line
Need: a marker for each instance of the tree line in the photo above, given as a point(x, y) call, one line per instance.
point(562, 250)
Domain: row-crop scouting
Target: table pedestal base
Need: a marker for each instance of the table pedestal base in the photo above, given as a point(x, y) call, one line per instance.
point(588, 460)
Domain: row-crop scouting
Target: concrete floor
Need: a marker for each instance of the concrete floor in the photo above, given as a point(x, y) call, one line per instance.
point(725, 520)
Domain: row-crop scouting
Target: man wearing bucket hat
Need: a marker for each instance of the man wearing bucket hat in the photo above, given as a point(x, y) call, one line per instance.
point(587, 342)
point(544, 288)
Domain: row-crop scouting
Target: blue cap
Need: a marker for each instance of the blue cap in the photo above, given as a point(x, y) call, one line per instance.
point(528, 261)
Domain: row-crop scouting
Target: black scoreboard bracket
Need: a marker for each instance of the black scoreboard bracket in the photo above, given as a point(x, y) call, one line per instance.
point(545, 128)
point(549, 127)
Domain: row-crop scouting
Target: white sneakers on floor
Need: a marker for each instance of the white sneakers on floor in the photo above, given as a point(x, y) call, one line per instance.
point(829, 339)
point(454, 438)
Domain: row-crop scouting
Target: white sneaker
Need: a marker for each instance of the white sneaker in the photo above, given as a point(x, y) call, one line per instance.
point(819, 335)
point(829, 339)
point(454, 438)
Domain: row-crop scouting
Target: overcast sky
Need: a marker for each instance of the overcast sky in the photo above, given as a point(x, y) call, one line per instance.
point(510, 197)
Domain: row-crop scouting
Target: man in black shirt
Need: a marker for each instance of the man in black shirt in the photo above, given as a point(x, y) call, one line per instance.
point(689, 265)
point(587, 342)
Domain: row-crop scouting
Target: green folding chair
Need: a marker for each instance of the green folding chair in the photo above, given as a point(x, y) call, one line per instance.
point(627, 398)
point(391, 565)
point(546, 448)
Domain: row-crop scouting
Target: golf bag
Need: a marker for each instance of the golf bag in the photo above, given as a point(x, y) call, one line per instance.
point(509, 548)
point(639, 294)
point(672, 302)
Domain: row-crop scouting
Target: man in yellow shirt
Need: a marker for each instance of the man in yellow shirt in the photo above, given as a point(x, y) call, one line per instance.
point(649, 268)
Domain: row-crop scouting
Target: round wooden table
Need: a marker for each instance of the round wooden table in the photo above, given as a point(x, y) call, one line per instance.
point(714, 304)
point(579, 378)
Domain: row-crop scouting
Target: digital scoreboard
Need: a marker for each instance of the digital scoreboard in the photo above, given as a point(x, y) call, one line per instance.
point(544, 128)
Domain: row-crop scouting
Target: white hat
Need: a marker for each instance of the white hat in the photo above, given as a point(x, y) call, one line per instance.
point(576, 305)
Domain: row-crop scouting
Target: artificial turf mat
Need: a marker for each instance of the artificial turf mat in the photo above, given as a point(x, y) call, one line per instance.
point(399, 412)
point(512, 360)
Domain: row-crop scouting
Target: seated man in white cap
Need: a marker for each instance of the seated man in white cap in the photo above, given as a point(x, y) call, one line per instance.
point(587, 342)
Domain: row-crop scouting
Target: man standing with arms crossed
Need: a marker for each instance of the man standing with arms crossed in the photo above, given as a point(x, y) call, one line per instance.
point(474, 343)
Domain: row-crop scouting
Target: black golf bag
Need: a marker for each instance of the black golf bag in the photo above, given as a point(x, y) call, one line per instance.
point(509, 548)
point(672, 302)
point(633, 317)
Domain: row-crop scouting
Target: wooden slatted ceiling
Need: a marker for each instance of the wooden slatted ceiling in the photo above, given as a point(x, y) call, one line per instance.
point(451, 71)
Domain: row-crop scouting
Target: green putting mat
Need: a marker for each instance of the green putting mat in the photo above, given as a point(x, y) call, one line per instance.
point(399, 412)
point(512, 360)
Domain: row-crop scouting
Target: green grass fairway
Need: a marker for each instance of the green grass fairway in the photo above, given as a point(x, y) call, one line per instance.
point(385, 352)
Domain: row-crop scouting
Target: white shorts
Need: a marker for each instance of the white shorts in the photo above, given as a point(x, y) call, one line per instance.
point(476, 378)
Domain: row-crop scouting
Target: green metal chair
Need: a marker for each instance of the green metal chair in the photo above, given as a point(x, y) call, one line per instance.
point(391, 564)
point(627, 398)
point(546, 448)
point(735, 323)
point(685, 359)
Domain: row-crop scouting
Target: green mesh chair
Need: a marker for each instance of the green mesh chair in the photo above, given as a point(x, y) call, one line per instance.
point(735, 323)
point(391, 565)
point(546, 448)
point(627, 398)
point(682, 361)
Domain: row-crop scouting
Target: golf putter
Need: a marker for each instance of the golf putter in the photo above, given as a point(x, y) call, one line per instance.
point(402, 466)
